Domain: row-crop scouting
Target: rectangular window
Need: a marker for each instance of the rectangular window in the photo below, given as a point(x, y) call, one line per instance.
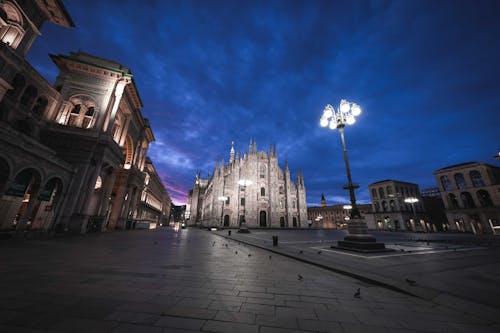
point(242, 202)
point(227, 201)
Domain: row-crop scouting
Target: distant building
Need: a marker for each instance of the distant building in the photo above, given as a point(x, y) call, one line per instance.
point(270, 200)
point(434, 208)
point(155, 202)
point(336, 216)
point(177, 213)
point(471, 196)
point(391, 212)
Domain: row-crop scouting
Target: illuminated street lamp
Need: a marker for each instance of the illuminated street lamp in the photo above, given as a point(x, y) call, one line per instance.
point(337, 119)
point(358, 237)
point(412, 201)
point(222, 199)
point(244, 183)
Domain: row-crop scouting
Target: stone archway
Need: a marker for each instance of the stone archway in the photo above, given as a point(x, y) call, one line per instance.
point(262, 219)
point(21, 197)
point(226, 220)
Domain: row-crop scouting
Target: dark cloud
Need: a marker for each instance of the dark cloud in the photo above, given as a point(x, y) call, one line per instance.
point(212, 72)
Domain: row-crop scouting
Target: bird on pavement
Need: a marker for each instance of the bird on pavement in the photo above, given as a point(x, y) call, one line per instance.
point(411, 282)
point(301, 251)
point(269, 257)
point(236, 252)
point(357, 294)
point(299, 277)
point(249, 254)
point(319, 252)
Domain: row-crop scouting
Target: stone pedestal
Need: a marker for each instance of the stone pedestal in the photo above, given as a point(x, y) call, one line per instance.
point(359, 240)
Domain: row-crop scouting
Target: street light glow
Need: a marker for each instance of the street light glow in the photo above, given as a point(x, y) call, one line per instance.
point(411, 200)
point(222, 198)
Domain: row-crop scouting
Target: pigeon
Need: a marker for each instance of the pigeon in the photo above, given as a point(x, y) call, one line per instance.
point(270, 257)
point(301, 251)
point(236, 252)
point(213, 244)
point(357, 294)
point(249, 254)
point(319, 252)
point(226, 245)
point(411, 282)
point(299, 277)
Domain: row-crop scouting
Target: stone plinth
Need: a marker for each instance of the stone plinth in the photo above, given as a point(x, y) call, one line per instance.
point(359, 239)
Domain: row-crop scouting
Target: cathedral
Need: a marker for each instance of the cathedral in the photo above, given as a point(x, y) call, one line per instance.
point(250, 190)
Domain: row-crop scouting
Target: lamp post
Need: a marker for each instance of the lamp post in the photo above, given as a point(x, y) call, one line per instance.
point(244, 183)
point(358, 237)
point(412, 201)
point(222, 199)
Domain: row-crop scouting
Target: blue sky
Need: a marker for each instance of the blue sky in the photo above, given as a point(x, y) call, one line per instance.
point(426, 74)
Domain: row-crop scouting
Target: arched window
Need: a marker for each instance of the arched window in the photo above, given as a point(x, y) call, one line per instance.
point(18, 85)
point(393, 205)
point(389, 191)
point(29, 95)
point(467, 200)
point(377, 207)
point(262, 191)
point(88, 118)
point(460, 181)
point(281, 190)
point(74, 115)
point(384, 206)
point(129, 152)
point(453, 201)
point(381, 193)
point(476, 179)
point(445, 182)
point(484, 198)
point(374, 193)
point(40, 106)
point(11, 25)
point(262, 171)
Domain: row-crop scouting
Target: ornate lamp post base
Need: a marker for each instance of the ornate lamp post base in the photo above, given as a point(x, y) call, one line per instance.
point(359, 239)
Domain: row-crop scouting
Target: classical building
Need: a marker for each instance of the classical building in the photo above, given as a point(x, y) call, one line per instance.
point(471, 196)
point(337, 216)
point(252, 189)
point(155, 202)
point(434, 208)
point(391, 212)
point(72, 154)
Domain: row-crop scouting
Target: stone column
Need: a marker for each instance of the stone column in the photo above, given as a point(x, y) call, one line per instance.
point(110, 118)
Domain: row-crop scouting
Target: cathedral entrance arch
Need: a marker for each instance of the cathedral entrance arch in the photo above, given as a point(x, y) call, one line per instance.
point(295, 222)
point(262, 219)
point(282, 221)
point(226, 220)
point(45, 207)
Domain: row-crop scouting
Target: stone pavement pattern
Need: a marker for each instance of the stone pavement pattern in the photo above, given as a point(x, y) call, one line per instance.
point(190, 281)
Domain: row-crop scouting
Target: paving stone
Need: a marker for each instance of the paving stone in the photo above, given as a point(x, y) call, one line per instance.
point(83, 325)
point(320, 326)
point(237, 317)
point(303, 313)
point(188, 312)
point(132, 328)
point(180, 322)
point(258, 308)
point(133, 317)
point(226, 305)
point(256, 295)
point(265, 329)
point(229, 327)
point(277, 321)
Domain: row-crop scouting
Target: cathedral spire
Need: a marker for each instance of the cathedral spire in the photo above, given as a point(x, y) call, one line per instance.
point(323, 200)
point(250, 147)
point(231, 153)
point(254, 146)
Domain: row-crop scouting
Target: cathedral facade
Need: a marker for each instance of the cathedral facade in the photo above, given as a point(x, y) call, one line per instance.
point(250, 190)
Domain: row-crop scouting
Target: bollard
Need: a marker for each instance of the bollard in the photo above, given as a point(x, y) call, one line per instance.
point(229, 232)
point(275, 240)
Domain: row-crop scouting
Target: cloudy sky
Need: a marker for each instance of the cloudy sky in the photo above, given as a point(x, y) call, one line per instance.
point(426, 74)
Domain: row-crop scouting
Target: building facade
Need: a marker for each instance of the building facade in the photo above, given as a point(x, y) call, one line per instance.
point(337, 216)
point(72, 154)
point(251, 189)
point(390, 210)
point(471, 195)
